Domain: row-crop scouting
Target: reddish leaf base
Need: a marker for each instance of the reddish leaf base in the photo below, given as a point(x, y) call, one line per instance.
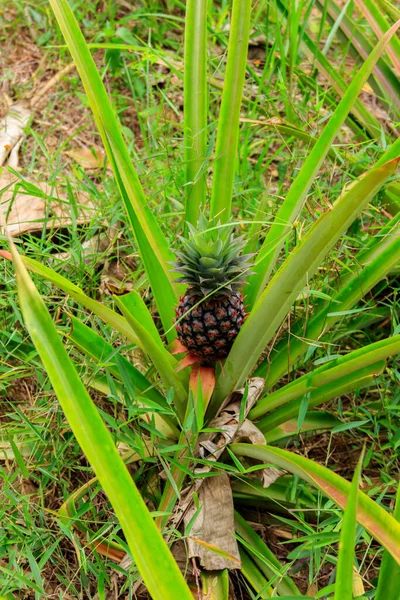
point(177, 347)
point(188, 360)
point(207, 379)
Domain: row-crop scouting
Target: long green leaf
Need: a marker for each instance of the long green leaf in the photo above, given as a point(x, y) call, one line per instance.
point(393, 151)
point(250, 491)
point(90, 342)
point(275, 302)
point(389, 572)
point(195, 107)
point(228, 123)
point(379, 24)
point(391, 10)
point(294, 200)
point(254, 576)
point(344, 572)
point(215, 584)
point(135, 306)
point(163, 361)
point(346, 384)
point(370, 514)
point(371, 266)
point(327, 374)
point(387, 83)
point(313, 421)
point(151, 554)
point(153, 245)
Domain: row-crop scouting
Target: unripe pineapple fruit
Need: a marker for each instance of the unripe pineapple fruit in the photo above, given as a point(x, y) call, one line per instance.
point(211, 313)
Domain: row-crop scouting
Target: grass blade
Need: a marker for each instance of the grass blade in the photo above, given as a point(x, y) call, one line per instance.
point(264, 558)
point(369, 513)
point(228, 123)
point(90, 342)
point(195, 109)
point(162, 576)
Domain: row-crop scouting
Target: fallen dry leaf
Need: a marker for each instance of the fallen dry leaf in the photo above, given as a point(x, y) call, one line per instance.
point(28, 212)
point(116, 277)
point(212, 538)
point(30, 206)
point(12, 131)
point(88, 158)
point(358, 585)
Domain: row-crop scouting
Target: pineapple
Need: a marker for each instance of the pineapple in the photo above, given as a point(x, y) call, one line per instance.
point(211, 313)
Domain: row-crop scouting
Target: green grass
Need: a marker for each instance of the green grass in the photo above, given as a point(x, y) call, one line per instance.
point(40, 555)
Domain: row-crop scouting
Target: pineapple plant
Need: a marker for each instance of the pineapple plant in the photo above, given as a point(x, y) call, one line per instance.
point(211, 312)
point(209, 317)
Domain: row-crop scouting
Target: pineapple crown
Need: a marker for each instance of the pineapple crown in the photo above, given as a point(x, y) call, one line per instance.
point(210, 262)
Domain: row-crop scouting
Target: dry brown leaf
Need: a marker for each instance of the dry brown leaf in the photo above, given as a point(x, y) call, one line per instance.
point(27, 213)
point(88, 158)
point(211, 445)
point(116, 276)
point(312, 590)
point(12, 131)
point(212, 538)
point(358, 585)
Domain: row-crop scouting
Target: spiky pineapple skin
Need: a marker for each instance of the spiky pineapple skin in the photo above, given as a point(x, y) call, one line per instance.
point(208, 327)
